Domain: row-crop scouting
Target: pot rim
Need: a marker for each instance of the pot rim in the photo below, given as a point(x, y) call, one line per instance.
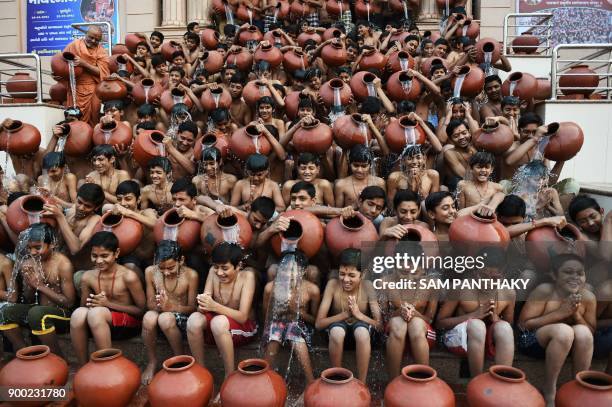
point(104, 355)
point(488, 128)
point(359, 216)
point(556, 127)
point(406, 370)
point(24, 353)
point(149, 80)
point(68, 56)
point(27, 198)
point(15, 126)
point(112, 126)
point(265, 366)
point(335, 81)
point(404, 119)
point(569, 227)
point(515, 77)
point(168, 213)
point(496, 369)
point(482, 219)
point(109, 214)
point(336, 370)
point(585, 374)
point(233, 215)
point(156, 132)
point(368, 75)
point(167, 365)
point(314, 124)
point(250, 126)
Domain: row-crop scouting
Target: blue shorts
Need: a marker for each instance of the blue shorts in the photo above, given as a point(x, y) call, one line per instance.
point(528, 344)
point(603, 343)
point(349, 329)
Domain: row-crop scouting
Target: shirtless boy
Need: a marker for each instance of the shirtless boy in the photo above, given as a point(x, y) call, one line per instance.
point(441, 209)
point(105, 174)
point(414, 176)
point(214, 184)
point(479, 190)
point(348, 189)
point(58, 183)
point(456, 159)
point(180, 151)
point(157, 194)
point(407, 208)
point(256, 184)
point(308, 168)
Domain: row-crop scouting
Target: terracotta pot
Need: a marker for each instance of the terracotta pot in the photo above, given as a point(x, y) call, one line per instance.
point(362, 85)
point(132, 41)
point(58, 92)
point(79, 139)
point(25, 211)
point(20, 138)
point(213, 61)
point(243, 12)
point(108, 380)
point(337, 388)
point(488, 50)
point(541, 241)
point(250, 34)
point(373, 59)
point(398, 5)
point(243, 59)
point(367, 9)
point(148, 144)
point(217, 140)
point(316, 138)
point(269, 53)
point(350, 130)
point(34, 366)
point(402, 132)
point(253, 91)
point(503, 386)
point(283, 9)
point(147, 91)
point(305, 229)
point(309, 34)
point(59, 65)
point(402, 85)
point(329, 88)
point(275, 38)
point(182, 382)
point(248, 140)
point(129, 231)
point(584, 79)
point(209, 38)
point(294, 60)
point(336, 7)
point(331, 32)
point(171, 226)
point(216, 98)
point(496, 139)
point(334, 54)
point(118, 63)
point(114, 133)
point(565, 142)
point(418, 386)
point(292, 101)
point(342, 234)
point(427, 64)
point(253, 384)
point(111, 89)
point(400, 61)
point(299, 9)
point(120, 49)
point(589, 388)
point(525, 44)
point(21, 85)
point(232, 229)
point(544, 89)
point(472, 232)
point(473, 81)
point(399, 35)
point(218, 7)
point(470, 29)
point(420, 234)
point(520, 84)
point(169, 48)
point(169, 98)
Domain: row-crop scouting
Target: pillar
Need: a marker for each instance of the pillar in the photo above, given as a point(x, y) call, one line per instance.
point(429, 11)
point(197, 10)
point(174, 13)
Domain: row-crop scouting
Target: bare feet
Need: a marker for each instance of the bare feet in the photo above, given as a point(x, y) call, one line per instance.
point(549, 398)
point(149, 372)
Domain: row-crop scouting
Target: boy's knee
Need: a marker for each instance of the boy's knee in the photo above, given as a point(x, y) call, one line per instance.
point(563, 334)
point(219, 325)
point(417, 328)
point(79, 317)
point(476, 329)
point(502, 330)
point(362, 335)
point(397, 328)
point(337, 334)
point(582, 334)
point(97, 316)
point(150, 319)
point(196, 323)
point(166, 321)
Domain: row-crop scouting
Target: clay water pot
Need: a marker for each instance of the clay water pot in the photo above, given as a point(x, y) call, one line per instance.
point(120, 49)
point(275, 38)
point(350, 130)
point(399, 35)
point(118, 63)
point(79, 139)
point(362, 85)
point(128, 231)
point(331, 32)
point(299, 9)
point(584, 79)
point(21, 85)
point(34, 366)
point(314, 138)
point(216, 98)
point(334, 54)
point(248, 140)
point(213, 61)
point(108, 380)
point(488, 47)
point(367, 9)
point(503, 386)
point(402, 132)
point(59, 65)
point(337, 388)
point(269, 53)
point(398, 5)
point(372, 59)
point(589, 388)
point(470, 29)
point(253, 384)
point(427, 64)
point(545, 241)
point(20, 138)
point(169, 48)
point(171, 226)
point(292, 101)
point(169, 98)
point(58, 92)
point(148, 144)
point(253, 91)
point(402, 85)
point(400, 61)
point(147, 91)
point(283, 9)
point(418, 386)
point(217, 140)
point(566, 139)
point(525, 44)
point(25, 211)
point(243, 12)
point(250, 34)
point(520, 84)
point(342, 233)
point(294, 60)
point(209, 38)
point(305, 229)
point(544, 89)
point(336, 7)
point(113, 133)
point(233, 229)
point(111, 89)
point(473, 81)
point(242, 58)
point(309, 34)
point(132, 41)
point(472, 232)
point(218, 7)
point(419, 234)
point(335, 85)
point(496, 138)
point(181, 382)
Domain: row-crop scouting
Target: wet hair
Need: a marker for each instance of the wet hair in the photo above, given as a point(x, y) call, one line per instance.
point(510, 101)
point(411, 37)
point(312, 72)
point(298, 256)
point(226, 252)
point(178, 69)
point(307, 158)
point(220, 115)
point(529, 118)
point(128, 187)
point(144, 45)
point(161, 162)
point(179, 108)
point(580, 203)
point(157, 60)
point(405, 195)
point(190, 127)
point(559, 259)
point(257, 163)
point(305, 103)
point(434, 199)
point(264, 205)
point(492, 78)
point(211, 154)
point(373, 192)
point(53, 159)
point(113, 103)
point(435, 67)
point(453, 124)
point(350, 257)
point(103, 149)
point(411, 151)
point(265, 100)
point(105, 240)
point(158, 35)
point(371, 105)
point(482, 158)
point(168, 250)
point(40, 232)
point(238, 77)
point(148, 125)
point(184, 185)
point(145, 109)
point(229, 30)
point(512, 205)
point(441, 41)
point(191, 26)
point(262, 66)
point(177, 54)
point(91, 193)
point(359, 153)
point(304, 186)
point(405, 107)
point(426, 41)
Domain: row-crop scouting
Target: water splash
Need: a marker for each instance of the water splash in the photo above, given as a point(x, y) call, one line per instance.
point(72, 79)
point(459, 84)
point(229, 15)
point(528, 181)
point(170, 232)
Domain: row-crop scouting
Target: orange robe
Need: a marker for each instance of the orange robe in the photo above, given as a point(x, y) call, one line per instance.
point(86, 83)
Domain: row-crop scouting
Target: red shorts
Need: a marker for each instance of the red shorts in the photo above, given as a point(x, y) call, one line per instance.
point(455, 340)
point(430, 335)
point(241, 333)
point(124, 326)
